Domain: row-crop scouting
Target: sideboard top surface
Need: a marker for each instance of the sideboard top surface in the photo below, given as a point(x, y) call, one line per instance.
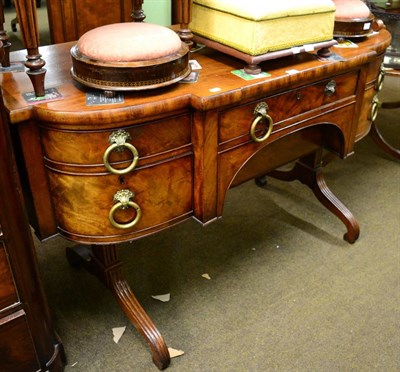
point(216, 85)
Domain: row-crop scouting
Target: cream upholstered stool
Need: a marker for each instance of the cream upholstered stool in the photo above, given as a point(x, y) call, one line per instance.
point(255, 31)
point(129, 56)
point(353, 19)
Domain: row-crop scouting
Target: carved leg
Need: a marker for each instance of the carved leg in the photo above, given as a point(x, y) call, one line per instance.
point(103, 262)
point(183, 14)
point(381, 142)
point(308, 170)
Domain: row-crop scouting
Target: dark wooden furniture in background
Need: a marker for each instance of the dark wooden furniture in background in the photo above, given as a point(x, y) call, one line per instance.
point(4, 40)
point(70, 19)
point(194, 142)
point(28, 342)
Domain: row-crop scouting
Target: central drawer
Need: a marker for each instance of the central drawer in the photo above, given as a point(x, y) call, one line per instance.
point(235, 123)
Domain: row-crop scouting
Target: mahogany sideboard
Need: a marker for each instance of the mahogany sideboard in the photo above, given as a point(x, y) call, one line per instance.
point(27, 338)
point(104, 174)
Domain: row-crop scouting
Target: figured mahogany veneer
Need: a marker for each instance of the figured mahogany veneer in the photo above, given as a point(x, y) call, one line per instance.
point(184, 146)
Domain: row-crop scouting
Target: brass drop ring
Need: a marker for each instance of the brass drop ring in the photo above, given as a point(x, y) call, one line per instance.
point(374, 109)
point(121, 205)
point(113, 147)
point(253, 126)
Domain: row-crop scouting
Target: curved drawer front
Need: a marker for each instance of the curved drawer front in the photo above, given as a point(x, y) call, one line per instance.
point(162, 192)
point(364, 121)
point(370, 105)
point(88, 147)
point(90, 171)
point(235, 123)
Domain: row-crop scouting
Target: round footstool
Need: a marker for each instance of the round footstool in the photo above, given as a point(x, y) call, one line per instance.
point(129, 56)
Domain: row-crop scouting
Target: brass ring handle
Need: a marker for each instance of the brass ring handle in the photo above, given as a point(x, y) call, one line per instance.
point(129, 224)
point(113, 147)
point(381, 76)
point(374, 108)
point(261, 112)
point(122, 201)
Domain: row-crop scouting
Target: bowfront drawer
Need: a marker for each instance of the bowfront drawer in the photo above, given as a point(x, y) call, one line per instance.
point(104, 207)
point(89, 147)
point(8, 292)
point(114, 185)
point(370, 105)
point(238, 122)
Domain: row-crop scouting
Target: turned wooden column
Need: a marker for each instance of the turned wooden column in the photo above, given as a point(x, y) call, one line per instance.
point(182, 15)
point(137, 11)
point(27, 17)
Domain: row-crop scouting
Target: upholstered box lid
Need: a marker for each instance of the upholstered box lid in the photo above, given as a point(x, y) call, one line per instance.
point(257, 27)
point(257, 10)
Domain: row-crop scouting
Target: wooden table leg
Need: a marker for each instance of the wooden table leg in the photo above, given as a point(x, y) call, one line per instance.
point(308, 170)
point(381, 142)
point(102, 261)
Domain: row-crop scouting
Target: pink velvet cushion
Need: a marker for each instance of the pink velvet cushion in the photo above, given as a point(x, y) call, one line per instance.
point(351, 9)
point(129, 42)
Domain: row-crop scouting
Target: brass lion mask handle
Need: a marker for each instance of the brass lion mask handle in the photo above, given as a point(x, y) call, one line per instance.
point(261, 113)
point(122, 200)
point(118, 142)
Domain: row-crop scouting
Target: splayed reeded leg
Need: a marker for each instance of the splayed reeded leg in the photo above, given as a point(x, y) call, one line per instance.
point(102, 261)
point(308, 170)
